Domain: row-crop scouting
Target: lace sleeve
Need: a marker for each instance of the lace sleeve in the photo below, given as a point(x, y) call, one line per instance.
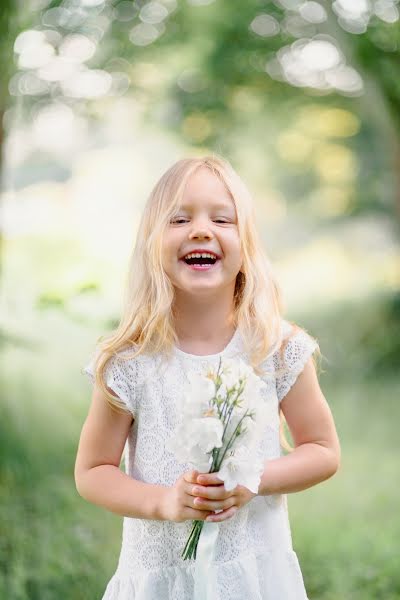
point(120, 376)
point(299, 349)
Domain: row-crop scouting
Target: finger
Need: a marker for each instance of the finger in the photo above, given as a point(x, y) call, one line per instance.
point(191, 476)
point(213, 505)
point(213, 492)
point(189, 503)
point(199, 515)
point(222, 516)
point(209, 479)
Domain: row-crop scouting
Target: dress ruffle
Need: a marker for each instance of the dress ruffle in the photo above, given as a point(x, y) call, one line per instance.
point(273, 575)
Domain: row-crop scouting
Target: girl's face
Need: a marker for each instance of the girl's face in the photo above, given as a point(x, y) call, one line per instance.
point(206, 222)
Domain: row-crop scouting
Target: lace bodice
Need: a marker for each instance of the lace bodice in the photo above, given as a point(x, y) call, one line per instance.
point(253, 558)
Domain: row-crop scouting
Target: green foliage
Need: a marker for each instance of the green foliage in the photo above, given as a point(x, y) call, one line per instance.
point(50, 538)
point(345, 530)
point(231, 101)
point(366, 337)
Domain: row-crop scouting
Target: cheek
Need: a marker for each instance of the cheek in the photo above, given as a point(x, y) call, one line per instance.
point(167, 247)
point(167, 262)
point(165, 255)
point(235, 248)
point(171, 241)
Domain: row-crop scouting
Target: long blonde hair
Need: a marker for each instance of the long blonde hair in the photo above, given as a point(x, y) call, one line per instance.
point(146, 323)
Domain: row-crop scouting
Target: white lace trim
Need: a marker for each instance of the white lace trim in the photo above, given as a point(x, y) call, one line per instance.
point(298, 351)
point(150, 564)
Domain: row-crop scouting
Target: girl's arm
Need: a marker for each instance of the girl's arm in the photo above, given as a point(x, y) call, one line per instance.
point(98, 477)
point(316, 456)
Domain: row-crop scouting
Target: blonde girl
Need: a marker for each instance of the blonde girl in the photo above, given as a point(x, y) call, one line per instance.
point(200, 287)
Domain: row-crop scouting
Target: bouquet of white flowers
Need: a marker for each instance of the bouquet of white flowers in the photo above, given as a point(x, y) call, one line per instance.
point(223, 416)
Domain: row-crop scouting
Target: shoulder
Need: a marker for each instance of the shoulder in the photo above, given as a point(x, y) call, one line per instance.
point(129, 359)
point(125, 365)
point(124, 374)
point(139, 370)
point(297, 346)
point(294, 341)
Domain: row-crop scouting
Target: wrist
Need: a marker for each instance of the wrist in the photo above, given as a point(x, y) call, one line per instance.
point(264, 486)
point(245, 495)
point(161, 508)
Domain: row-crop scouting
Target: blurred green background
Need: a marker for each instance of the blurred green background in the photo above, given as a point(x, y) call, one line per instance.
point(97, 99)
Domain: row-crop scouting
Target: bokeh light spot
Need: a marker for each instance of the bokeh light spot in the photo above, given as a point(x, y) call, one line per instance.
point(144, 34)
point(335, 163)
point(265, 25)
point(294, 147)
point(197, 127)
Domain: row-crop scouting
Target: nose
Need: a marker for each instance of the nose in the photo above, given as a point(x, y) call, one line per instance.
point(200, 229)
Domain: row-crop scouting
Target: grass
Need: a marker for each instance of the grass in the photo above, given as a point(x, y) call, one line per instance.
point(346, 529)
point(53, 544)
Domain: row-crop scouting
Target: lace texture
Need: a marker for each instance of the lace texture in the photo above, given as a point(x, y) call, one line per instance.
point(299, 349)
point(253, 557)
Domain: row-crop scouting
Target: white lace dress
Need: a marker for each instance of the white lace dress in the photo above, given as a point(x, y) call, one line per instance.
point(254, 558)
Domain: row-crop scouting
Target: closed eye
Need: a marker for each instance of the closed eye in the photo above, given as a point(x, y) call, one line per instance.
point(182, 220)
point(177, 220)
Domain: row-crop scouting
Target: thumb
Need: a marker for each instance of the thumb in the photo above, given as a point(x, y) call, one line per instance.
point(191, 476)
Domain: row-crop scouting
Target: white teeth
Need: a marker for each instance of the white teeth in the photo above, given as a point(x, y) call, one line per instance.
point(200, 255)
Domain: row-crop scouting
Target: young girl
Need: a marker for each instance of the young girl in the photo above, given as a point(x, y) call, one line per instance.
point(200, 288)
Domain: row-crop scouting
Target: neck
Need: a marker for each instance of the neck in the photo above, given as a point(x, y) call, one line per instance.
point(201, 319)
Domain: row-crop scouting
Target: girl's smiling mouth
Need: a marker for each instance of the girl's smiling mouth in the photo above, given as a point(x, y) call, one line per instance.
point(199, 266)
point(200, 259)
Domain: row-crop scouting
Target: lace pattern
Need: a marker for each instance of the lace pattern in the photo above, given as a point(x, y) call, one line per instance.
point(297, 352)
point(253, 556)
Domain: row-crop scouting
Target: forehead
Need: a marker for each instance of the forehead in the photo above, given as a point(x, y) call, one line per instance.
point(205, 188)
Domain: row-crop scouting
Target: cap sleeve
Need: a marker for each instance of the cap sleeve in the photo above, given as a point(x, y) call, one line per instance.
point(299, 349)
point(120, 376)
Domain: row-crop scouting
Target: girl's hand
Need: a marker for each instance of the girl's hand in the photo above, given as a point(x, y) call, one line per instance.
point(182, 503)
point(211, 491)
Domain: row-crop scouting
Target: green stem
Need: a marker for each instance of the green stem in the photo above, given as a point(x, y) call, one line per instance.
point(217, 388)
point(231, 440)
point(231, 407)
point(191, 544)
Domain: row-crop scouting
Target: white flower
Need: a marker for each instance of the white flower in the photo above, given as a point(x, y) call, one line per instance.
point(199, 460)
point(241, 468)
point(195, 439)
point(197, 394)
point(206, 433)
point(251, 395)
point(250, 435)
point(202, 430)
point(253, 430)
point(232, 371)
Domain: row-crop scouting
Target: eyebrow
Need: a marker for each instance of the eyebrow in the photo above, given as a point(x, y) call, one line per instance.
point(220, 206)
